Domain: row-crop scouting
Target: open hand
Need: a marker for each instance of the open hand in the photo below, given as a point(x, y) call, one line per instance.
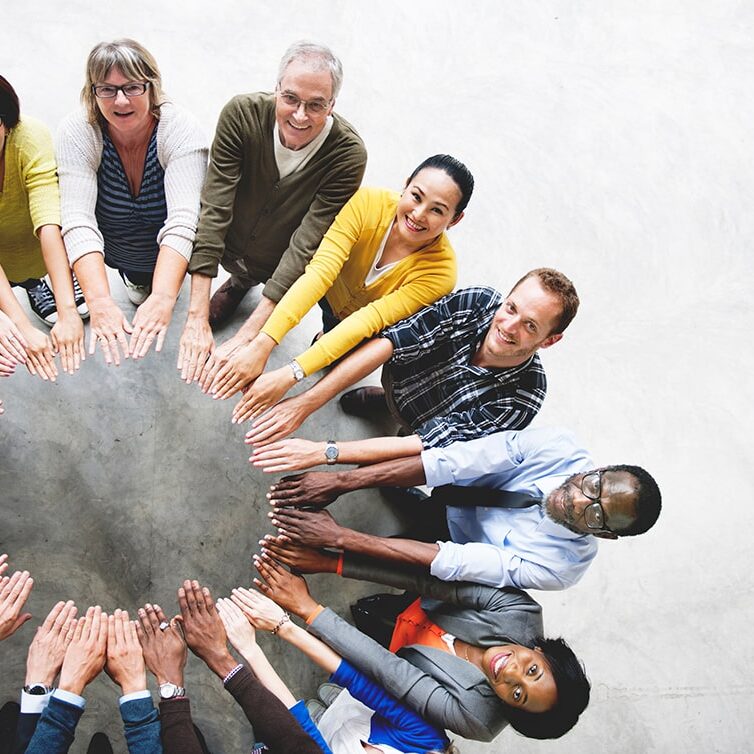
point(47, 649)
point(195, 347)
point(125, 661)
point(288, 455)
point(312, 528)
point(14, 591)
point(298, 558)
point(282, 587)
point(164, 648)
point(108, 327)
point(85, 656)
point(151, 322)
point(315, 489)
point(282, 419)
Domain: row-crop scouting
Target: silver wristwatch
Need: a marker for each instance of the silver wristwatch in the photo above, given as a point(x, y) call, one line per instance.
point(298, 372)
point(331, 452)
point(171, 691)
point(38, 689)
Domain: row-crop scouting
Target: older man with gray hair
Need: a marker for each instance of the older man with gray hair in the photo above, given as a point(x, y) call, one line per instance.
point(281, 167)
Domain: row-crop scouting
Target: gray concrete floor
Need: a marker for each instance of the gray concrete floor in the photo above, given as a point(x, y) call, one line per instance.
point(136, 482)
point(612, 141)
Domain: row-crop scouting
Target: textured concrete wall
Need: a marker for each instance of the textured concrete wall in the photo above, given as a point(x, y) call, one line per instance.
point(610, 140)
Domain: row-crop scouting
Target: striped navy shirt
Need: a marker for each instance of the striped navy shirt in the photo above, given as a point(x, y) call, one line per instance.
point(130, 224)
point(438, 392)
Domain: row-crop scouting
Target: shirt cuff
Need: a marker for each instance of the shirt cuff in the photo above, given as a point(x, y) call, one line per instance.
point(314, 615)
point(144, 694)
point(70, 697)
point(34, 704)
point(437, 470)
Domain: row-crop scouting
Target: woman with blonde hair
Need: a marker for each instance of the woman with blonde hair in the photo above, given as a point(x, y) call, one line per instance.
point(131, 169)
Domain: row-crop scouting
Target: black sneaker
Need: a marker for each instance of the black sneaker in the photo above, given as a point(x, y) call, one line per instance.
point(78, 299)
point(42, 303)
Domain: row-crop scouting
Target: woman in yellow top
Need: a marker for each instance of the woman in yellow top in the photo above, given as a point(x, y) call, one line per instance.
point(385, 257)
point(30, 247)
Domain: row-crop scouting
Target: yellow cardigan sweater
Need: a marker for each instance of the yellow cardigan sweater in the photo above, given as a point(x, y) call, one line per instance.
point(29, 199)
point(338, 271)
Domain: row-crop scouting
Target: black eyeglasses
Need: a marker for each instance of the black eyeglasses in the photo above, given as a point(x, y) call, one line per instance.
point(313, 107)
point(594, 513)
point(109, 91)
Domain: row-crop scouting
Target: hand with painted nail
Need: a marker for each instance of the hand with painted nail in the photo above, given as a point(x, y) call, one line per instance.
point(125, 661)
point(14, 591)
point(282, 587)
point(311, 528)
point(298, 558)
point(47, 649)
point(85, 657)
point(203, 629)
point(162, 643)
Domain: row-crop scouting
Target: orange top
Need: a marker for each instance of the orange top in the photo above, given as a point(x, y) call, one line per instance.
point(413, 626)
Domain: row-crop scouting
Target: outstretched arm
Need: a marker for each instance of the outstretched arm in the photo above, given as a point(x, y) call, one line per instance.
point(289, 415)
point(319, 529)
point(319, 488)
point(294, 454)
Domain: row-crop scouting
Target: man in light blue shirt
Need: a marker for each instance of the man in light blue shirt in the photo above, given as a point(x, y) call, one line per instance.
point(547, 545)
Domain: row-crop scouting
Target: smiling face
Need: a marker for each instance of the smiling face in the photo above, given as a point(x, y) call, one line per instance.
point(127, 115)
point(520, 677)
point(521, 326)
point(427, 207)
point(297, 126)
point(566, 504)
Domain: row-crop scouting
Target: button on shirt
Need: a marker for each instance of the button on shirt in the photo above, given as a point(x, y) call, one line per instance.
point(518, 547)
point(436, 389)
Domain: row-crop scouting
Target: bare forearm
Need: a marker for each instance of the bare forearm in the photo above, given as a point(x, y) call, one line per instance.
point(92, 276)
point(362, 362)
point(268, 676)
point(378, 449)
point(199, 301)
point(311, 646)
point(9, 303)
point(404, 551)
point(56, 261)
point(256, 321)
point(169, 273)
point(403, 472)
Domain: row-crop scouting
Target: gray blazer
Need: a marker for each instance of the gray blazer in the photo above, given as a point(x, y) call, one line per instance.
point(446, 690)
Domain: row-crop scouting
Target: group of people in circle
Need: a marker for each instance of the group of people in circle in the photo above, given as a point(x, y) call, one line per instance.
point(131, 185)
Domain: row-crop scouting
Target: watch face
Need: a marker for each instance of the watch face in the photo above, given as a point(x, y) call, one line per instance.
point(331, 452)
point(37, 690)
point(168, 690)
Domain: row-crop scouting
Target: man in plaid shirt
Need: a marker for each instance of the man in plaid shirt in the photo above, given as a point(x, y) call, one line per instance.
point(459, 369)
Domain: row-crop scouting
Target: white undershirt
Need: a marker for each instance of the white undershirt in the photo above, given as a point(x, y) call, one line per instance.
point(291, 160)
point(374, 271)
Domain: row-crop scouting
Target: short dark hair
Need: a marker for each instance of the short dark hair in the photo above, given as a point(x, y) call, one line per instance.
point(9, 109)
point(456, 170)
point(573, 694)
point(648, 500)
point(562, 288)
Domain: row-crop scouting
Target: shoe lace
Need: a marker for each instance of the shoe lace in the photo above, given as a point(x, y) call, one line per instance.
point(78, 294)
point(42, 296)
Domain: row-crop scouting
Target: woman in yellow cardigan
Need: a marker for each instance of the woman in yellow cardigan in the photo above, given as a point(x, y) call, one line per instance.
point(385, 257)
point(31, 246)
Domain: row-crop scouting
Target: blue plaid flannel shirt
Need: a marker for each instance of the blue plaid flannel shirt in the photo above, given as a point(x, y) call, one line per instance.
point(438, 392)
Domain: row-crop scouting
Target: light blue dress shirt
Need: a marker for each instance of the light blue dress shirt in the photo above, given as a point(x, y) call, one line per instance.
point(518, 547)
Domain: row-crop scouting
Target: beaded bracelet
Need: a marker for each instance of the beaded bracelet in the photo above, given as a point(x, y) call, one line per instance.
point(283, 620)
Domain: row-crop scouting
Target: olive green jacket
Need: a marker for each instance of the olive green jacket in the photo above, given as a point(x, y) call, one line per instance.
point(248, 212)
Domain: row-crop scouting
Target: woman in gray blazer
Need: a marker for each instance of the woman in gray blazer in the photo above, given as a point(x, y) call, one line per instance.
point(501, 669)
